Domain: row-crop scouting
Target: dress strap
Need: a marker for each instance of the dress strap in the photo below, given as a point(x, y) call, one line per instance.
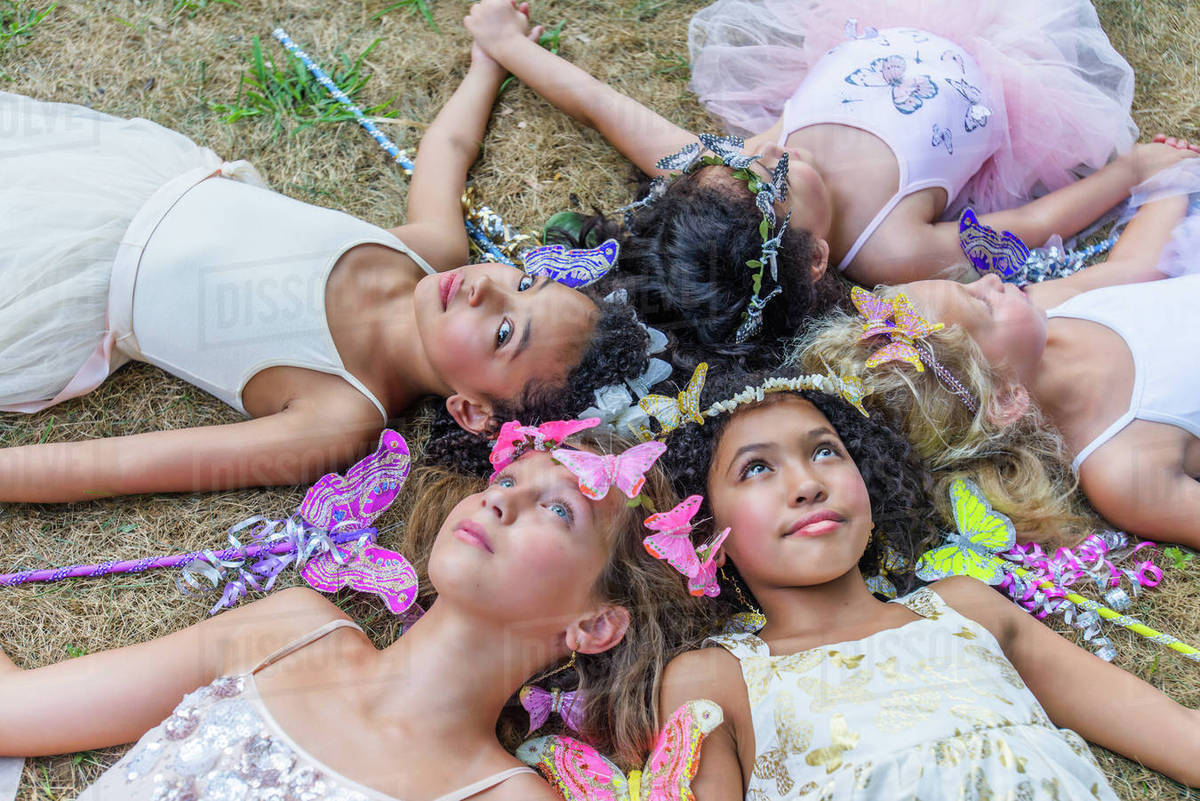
point(485, 784)
point(412, 254)
point(307, 639)
point(870, 229)
point(740, 644)
point(925, 602)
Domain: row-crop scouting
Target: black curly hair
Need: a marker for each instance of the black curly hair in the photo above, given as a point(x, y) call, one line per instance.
point(901, 506)
point(616, 351)
point(683, 262)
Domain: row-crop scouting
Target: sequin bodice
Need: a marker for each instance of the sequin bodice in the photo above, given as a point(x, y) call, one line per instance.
point(221, 744)
point(930, 710)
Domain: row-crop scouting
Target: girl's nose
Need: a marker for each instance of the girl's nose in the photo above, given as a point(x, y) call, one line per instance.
point(500, 503)
point(806, 488)
point(480, 290)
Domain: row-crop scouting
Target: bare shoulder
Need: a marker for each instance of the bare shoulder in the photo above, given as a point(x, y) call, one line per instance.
point(975, 600)
point(251, 633)
point(711, 673)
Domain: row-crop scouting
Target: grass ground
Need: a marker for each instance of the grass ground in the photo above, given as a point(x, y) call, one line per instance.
point(171, 60)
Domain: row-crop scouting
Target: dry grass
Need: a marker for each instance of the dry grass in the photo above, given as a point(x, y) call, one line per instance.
point(135, 58)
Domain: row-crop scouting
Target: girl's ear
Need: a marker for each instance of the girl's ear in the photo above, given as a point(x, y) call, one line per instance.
point(820, 261)
point(1008, 404)
point(470, 415)
point(598, 632)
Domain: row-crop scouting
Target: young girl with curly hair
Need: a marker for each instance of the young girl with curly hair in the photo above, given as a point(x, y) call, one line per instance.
point(126, 241)
point(527, 575)
point(887, 130)
point(948, 692)
point(1081, 374)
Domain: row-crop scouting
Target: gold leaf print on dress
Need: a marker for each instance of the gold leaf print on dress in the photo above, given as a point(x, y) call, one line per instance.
point(827, 695)
point(965, 633)
point(999, 662)
point(906, 708)
point(843, 740)
point(760, 671)
point(843, 661)
point(793, 737)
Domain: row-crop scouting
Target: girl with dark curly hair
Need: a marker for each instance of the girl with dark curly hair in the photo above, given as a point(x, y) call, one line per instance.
point(841, 695)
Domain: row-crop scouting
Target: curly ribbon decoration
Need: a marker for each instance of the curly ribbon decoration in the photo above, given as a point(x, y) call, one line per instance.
point(276, 545)
point(483, 225)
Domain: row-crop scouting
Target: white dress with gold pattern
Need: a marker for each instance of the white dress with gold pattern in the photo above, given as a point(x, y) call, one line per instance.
point(930, 710)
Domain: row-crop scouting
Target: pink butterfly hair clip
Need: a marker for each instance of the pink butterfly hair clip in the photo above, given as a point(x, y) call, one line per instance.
point(540, 703)
point(897, 320)
point(515, 439)
point(672, 541)
point(598, 474)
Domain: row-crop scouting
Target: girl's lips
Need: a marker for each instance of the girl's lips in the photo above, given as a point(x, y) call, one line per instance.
point(472, 533)
point(448, 286)
point(815, 525)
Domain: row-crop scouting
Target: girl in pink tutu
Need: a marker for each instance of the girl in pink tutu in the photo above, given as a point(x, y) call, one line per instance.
point(875, 122)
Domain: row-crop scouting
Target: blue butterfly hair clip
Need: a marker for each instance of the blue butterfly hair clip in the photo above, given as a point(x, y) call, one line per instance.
point(573, 268)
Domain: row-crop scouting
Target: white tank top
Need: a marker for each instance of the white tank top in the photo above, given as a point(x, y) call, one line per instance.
point(1161, 328)
point(919, 93)
point(232, 281)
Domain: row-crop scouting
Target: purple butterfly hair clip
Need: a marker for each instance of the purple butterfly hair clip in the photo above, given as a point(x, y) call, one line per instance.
point(573, 268)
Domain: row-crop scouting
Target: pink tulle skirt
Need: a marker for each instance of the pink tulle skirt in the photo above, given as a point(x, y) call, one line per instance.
point(1061, 93)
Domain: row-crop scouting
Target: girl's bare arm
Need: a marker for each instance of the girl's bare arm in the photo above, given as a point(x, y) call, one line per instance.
point(1079, 691)
point(116, 696)
point(640, 134)
point(448, 149)
point(294, 446)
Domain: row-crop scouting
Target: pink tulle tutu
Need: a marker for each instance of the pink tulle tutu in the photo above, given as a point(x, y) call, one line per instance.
point(1060, 91)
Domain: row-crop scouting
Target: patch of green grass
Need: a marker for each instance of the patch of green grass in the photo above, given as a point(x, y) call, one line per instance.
point(1179, 558)
point(414, 7)
point(17, 21)
point(284, 89)
point(194, 7)
point(76, 651)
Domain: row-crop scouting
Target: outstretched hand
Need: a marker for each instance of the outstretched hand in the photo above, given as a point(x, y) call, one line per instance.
point(1149, 159)
point(493, 21)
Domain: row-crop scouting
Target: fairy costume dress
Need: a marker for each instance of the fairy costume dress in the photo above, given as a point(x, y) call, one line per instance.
point(994, 101)
point(929, 710)
point(124, 240)
point(222, 743)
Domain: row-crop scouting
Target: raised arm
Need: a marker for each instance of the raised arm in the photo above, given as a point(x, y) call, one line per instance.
point(448, 149)
point(640, 134)
point(1079, 691)
point(116, 696)
point(295, 446)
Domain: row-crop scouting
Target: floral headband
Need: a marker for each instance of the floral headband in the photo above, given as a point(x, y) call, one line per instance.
point(906, 330)
point(727, 152)
point(685, 407)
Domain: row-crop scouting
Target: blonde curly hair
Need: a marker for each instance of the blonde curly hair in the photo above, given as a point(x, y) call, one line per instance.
point(1022, 464)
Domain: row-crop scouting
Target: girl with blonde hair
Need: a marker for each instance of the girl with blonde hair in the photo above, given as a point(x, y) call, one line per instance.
point(1022, 390)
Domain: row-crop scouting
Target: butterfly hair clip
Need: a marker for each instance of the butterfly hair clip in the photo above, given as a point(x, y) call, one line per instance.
point(672, 542)
point(598, 474)
point(580, 773)
point(573, 268)
point(898, 321)
point(673, 412)
point(541, 703)
point(515, 439)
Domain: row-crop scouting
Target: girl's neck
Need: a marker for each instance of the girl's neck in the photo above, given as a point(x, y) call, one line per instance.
point(453, 672)
point(820, 614)
point(1062, 385)
point(372, 319)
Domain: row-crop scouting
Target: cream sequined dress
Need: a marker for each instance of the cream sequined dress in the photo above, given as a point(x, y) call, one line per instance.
point(930, 710)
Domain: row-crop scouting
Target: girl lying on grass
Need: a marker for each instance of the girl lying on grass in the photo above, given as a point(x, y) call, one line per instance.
point(531, 576)
point(126, 241)
point(948, 692)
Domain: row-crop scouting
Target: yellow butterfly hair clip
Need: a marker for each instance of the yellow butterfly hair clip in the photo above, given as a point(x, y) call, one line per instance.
point(672, 412)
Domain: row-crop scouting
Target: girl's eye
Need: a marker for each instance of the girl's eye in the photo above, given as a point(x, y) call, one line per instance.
point(754, 469)
point(824, 451)
point(525, 282)
point(505, 481)
point(563, 511)
point(503, 332)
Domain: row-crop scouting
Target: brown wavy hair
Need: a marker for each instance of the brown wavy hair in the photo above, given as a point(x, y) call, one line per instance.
point(1022, 466)
point(620, 716)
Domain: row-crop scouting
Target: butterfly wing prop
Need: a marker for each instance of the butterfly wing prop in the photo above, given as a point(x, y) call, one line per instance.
point(364, 493)
point(673, 540)
point(676, 756)
point(576, 770)
point(972, 551)
point(573, 268)
point(989, 250)
point(375, 570)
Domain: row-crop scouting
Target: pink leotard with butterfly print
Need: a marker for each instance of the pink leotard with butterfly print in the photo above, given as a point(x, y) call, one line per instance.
point(922, 95)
